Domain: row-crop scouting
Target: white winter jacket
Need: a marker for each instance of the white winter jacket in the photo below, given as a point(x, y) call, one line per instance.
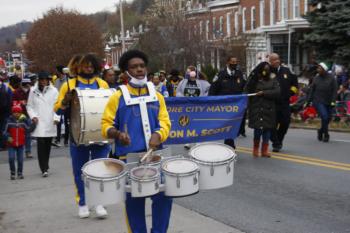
point(40, 105)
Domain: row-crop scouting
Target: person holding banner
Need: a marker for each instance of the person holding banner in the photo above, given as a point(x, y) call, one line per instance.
point(192, 87)
point(136, 126)
point(261, 107)
point(230, 81)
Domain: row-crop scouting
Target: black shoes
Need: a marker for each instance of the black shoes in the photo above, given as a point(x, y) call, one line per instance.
point(276, 148)
point(319, 135)
point(326, 137)
point(322, 136)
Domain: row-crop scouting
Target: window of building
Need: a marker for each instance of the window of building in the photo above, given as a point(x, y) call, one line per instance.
point(207, 30)
point(283, 10)
point(214, 27)
point(221, 24)
point(228, 24)
point(296, 8)
point(200, 27)
point(244, 20)
point(272, 12)
point(306, 5)
point(262, 12)
point(236, 23)
point(252, 18)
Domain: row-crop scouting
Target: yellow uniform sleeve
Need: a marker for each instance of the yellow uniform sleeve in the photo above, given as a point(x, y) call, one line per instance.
point(164, 120)
point(109, 113)
point(102, 83)
point(58, 105)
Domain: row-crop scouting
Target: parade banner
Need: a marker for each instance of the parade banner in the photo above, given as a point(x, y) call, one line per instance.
point(200, 119)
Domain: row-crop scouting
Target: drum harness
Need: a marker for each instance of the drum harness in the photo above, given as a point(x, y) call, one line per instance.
point(142, 102)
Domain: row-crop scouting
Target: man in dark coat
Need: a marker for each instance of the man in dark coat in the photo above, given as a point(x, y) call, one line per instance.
point(288, 83)
point(229, 82)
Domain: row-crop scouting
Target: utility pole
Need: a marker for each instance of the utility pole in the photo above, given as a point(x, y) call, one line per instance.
point(122, 26)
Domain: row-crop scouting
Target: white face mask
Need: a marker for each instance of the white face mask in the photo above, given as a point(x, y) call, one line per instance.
point(137, 82)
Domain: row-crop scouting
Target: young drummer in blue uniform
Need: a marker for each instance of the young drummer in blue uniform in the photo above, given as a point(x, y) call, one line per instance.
point(123, 122)
point(86, 77)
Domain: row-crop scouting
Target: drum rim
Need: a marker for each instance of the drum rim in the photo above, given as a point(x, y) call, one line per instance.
point(232, 156)
point(77, 141)
point(155, 163)
point(119, 176)
point(196, 171)
point(153, 178)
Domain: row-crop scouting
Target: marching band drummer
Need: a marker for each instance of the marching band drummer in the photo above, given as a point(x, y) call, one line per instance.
point(85, 78)
point(123, 122)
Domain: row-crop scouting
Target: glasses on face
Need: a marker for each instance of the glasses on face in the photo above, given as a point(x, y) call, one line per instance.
point(135, 66)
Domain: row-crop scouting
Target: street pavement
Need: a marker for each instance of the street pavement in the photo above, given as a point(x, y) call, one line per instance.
point(303, 189)
point(46, 205)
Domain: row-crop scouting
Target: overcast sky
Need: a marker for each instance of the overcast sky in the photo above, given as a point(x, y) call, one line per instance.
point(15, 11)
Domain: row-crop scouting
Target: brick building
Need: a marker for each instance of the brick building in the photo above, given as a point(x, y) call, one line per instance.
point(249, 29)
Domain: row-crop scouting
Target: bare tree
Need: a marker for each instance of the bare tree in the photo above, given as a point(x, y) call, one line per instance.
point(60, 34)
point(172, 41)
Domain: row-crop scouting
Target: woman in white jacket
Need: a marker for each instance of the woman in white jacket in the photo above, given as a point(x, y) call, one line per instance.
point(41, 100)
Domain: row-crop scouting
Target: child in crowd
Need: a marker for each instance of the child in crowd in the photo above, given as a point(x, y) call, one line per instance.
point(15, 131)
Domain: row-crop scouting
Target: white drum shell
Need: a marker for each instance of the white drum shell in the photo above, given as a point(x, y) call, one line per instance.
point(106, 190)
point(177, 185)
point(216, 174)
point(110, 195)
point(144, 187)
point(92, 105)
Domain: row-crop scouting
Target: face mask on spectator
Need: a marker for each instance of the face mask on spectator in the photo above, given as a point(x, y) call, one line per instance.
point(192, 74)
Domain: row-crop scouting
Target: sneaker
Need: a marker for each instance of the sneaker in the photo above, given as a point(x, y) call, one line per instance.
point(29, 155)
point(20, 176)
point(101, 212)
point(56, 144)
point(84, 211)
point(13, 177)
point(45, 174)
point(243, 135)
point(187, 146)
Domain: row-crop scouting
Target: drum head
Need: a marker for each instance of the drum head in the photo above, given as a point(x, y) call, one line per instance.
point(75, 118)
point(212, 152)
point(103, 168)
point(144, 172)
point(180, 166)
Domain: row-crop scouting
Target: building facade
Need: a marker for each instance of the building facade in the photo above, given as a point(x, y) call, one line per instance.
point(250, 30)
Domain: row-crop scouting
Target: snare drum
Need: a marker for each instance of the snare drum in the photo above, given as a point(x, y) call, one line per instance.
point(104, 181)
point(87, 108)
point(180, 177)
point(144, 181)
point(216, 164)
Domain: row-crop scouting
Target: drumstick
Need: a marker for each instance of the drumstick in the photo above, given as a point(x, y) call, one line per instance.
point(146, 155)
point(126, 128)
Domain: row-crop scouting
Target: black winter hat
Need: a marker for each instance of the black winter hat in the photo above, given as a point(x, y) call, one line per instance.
point(44, 74)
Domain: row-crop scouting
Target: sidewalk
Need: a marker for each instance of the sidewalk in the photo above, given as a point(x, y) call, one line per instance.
point(46, 205)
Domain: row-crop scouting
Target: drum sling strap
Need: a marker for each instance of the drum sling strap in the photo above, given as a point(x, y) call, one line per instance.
point(142, 102)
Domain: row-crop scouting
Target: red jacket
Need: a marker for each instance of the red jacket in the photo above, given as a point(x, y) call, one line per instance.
point(16, 129)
